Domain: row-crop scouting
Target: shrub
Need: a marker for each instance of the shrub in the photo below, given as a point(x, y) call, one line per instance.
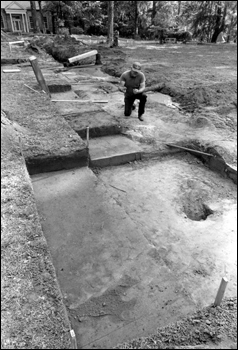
point(77, 30)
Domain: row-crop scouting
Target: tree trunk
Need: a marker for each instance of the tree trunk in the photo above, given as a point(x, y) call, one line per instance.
point(33, 13)
point(156, 87)
point(230, 28)
point(220, 21)
point(42, 18)
point(136, 28)
point(179, 7)
point(154, 11)
point(110, 35)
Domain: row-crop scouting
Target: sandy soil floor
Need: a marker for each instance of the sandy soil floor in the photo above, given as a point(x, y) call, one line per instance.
point(136, 253)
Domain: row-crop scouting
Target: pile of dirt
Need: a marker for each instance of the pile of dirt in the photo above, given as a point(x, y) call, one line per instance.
point(208, 328)
point(60, 47)
point(114, 68)
point(113, 60)
point(192, 98)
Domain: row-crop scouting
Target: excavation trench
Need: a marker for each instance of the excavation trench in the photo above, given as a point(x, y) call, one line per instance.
point(127, 243)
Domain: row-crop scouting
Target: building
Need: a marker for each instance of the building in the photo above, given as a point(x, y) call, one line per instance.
point(16, 17)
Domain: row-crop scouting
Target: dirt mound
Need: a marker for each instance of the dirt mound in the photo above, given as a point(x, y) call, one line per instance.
point(205, 328)
point(114, 61)
point(115, 68)
point(192, 98)
point(60, 47)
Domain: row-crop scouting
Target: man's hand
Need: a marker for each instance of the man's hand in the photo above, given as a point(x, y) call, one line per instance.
point(135, 91)
point(122, 89)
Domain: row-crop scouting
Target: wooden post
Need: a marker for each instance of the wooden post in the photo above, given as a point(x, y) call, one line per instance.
point(82, 56)
point(221, 291)
point(16, 42)
point(87, 136)
point(38, 74)
point(98, 59)
point(82, 101)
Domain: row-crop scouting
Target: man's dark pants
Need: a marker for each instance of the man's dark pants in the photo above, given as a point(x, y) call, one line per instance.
point(129, 101)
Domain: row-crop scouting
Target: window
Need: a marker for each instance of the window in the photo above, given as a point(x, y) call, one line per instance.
point(2, 22)
point(31, 22)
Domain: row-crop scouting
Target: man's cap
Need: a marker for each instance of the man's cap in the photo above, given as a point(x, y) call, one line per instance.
point(136, 67)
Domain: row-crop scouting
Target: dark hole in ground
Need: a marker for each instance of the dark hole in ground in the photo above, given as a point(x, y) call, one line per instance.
point(198, 211)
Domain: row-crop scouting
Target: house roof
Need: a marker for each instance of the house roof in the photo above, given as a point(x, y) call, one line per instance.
point(16, 5)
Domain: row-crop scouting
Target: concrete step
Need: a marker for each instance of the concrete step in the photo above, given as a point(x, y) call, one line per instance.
point(113, 150)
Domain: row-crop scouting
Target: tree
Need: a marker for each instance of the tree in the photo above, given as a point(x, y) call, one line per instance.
point(209, 18)
point(220, 16)
point(110, 35)
point(166, 14)
point(136, 19)
point(231, 18)
point(42, 17)
point(34, 16)
point(64, 11)
point(179, 7)
point(154, 11)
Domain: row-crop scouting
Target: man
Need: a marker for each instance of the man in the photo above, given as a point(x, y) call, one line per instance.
point(116, 38)
point(132, 83)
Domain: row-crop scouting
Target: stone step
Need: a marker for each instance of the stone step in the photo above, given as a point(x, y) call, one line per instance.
point(113, 150)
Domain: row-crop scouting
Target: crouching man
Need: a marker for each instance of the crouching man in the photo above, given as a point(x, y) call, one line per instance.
point(132, 83)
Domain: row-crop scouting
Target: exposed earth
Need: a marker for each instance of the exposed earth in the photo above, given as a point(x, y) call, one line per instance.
point(135, 247)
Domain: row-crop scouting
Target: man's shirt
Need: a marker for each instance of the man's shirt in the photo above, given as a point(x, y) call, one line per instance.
point(132, 83)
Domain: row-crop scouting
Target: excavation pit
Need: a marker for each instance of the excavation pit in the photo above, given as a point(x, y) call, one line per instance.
point(126, 251)
point(198, 211)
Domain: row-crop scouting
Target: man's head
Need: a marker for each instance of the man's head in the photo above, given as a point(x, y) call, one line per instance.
point(135, 69)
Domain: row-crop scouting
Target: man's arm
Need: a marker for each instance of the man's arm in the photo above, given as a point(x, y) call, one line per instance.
point(141, 88)
point(121, 86)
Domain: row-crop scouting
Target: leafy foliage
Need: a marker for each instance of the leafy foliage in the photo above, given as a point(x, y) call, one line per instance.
point(206, 19)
